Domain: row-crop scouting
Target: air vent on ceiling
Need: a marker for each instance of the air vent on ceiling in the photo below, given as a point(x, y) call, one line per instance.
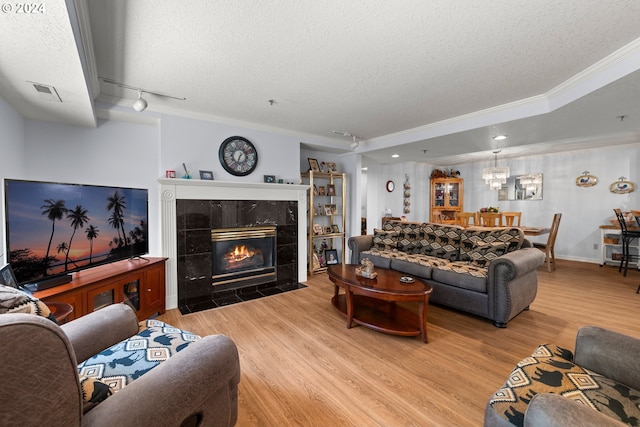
point(46, 92)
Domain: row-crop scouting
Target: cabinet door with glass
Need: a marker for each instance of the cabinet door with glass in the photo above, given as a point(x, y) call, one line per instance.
point(446, 199)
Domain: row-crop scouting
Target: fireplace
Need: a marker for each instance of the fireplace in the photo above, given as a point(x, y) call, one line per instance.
point(245, 256)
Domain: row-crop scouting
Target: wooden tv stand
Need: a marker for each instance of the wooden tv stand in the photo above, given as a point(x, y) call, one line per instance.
point(138, 282)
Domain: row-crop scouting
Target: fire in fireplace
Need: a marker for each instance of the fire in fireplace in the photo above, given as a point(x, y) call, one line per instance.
point(243, 256)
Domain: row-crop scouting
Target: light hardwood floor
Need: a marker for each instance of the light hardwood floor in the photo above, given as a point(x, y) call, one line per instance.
point(302, 367)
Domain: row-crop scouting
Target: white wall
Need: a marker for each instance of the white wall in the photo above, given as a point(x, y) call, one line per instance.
point(11, 159)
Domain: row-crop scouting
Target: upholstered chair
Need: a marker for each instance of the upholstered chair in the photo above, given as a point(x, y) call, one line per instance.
point(182, 379)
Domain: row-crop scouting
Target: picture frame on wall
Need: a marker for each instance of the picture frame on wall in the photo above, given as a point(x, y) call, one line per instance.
point(270, 179)
point(331, 256)
point(206, 175)
point(313, 165)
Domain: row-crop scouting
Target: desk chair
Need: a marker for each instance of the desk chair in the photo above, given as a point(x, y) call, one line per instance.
point(548, 248)
point(627, 237)
point(490, 219)
point(465, 219)
point(510, 217)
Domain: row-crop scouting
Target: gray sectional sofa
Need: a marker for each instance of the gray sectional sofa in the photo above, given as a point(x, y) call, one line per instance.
point(489, 272)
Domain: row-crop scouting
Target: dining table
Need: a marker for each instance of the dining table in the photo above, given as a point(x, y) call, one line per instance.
point(535, 231)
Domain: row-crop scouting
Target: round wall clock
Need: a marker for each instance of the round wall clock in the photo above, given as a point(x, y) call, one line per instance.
point(238, 156)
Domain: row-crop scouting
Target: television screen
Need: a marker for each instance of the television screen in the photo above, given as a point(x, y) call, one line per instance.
point(54, 228)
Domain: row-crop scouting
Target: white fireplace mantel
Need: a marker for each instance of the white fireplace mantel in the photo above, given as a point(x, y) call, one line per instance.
point(195, 189)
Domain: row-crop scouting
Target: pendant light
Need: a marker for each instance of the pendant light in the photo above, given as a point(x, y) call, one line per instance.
point(496, 176)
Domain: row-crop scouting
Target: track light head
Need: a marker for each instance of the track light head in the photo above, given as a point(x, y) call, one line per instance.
point(140, 104)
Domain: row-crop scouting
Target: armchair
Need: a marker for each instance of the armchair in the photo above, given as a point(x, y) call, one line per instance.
point(599, 385)
point(39, 371)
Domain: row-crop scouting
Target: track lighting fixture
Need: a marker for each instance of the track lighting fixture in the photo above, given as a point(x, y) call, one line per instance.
point(355, 144)
point(140, 104)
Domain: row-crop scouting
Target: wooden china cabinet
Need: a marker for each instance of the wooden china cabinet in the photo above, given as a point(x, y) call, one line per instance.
point(447, 197)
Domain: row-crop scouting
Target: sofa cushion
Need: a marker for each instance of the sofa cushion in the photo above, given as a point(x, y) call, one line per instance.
point(384, 240)
point(128, 360)
point(513, 237)
point(462, 274)
point(416, 264)
point(14, 300)
point(550, 369)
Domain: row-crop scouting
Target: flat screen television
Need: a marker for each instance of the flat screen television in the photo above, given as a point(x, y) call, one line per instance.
point(54, 229)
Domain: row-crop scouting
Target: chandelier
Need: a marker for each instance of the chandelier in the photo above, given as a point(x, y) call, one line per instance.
point(495, 176)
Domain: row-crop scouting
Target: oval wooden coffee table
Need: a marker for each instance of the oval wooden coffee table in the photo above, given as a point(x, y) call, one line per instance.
point(372, 302)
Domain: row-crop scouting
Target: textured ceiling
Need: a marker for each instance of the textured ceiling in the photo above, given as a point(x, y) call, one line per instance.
point(405, 76)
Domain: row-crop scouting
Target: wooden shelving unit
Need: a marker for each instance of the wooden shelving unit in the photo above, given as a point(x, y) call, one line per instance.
point(325, 211)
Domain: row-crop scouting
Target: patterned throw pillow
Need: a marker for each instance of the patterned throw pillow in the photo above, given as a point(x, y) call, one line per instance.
point(14, 300)
point(512, 237)
point(484, 252)
point(550, 369)
point(93, 392)
point(441, 241)
point(384, 240)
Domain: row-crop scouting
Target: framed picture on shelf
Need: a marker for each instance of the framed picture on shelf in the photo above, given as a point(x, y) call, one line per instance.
point(208, 175)
point(313, 164)
point(327, 229)
point(331, 256)
point(335, 228)
point(330, 209)
point(331, 167)
point(321, 191)
point(331, 190)
point(270, 179)
point(317, 229)
point(315, 190)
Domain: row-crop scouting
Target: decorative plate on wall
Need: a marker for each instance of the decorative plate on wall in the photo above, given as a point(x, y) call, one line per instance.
point(622, 186)
point(586, 180)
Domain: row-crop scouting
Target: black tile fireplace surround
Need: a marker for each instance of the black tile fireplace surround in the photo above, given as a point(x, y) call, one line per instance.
point(194, 221)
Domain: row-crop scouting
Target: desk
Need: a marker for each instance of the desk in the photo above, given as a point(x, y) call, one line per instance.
point(612, 251)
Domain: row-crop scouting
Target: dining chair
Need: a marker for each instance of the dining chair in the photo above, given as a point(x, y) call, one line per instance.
point(510, 217)
point(627, 237)
point(490, 219)
point(548, 248)
point(465, 219)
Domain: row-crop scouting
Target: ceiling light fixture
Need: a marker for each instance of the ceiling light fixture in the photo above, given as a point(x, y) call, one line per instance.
point(140, 104)
point(395, 156)
point(496, 176)
point(499, 137)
